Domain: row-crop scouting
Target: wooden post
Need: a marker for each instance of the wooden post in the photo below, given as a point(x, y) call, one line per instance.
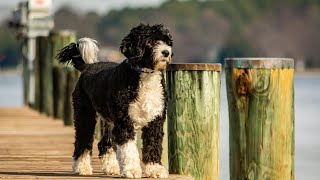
point(193, 119)
point(261, 117)
point(71, 79)
point(36, 70)
point(43, 58)
point(58, 40)
point(25, 70)
point(59, 91)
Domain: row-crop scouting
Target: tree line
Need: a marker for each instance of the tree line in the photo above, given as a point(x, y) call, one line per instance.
point(208, 31)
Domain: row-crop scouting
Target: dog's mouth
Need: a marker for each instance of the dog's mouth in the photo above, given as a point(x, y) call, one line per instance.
point(162, 64)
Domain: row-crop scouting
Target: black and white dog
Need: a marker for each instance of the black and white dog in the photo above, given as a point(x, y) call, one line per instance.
point(127, 97)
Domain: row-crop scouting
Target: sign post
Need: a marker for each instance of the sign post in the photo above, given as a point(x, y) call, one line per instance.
point(31, 19)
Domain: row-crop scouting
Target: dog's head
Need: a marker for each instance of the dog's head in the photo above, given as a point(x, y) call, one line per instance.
point(148, 46)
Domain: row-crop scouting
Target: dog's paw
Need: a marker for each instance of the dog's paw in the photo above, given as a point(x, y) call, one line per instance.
point(111, 170)
point(109, 163)
point(83, 172)
point(156, 171)
point(82, 166)
point(132, 173)
point(82, 169)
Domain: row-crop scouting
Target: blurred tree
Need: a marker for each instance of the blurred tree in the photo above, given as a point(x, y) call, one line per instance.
point(236, 46)
point(208, 31)
point(84, 24)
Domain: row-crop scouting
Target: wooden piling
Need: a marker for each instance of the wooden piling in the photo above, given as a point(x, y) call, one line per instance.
point(261, 118)
point(58, 40)
point(193, 119)
point(25, 70)
point(71, 79)
point(59, 90)
point(43, 59)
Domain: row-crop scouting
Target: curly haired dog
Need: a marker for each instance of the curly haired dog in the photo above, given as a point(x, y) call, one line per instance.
point(127, 97)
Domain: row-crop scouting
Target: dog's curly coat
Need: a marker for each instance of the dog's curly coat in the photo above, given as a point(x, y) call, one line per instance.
point(127, 97)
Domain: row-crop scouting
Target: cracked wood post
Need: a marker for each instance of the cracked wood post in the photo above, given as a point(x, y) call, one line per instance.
point(194, 119)
point(58, 40)
point(260, 95)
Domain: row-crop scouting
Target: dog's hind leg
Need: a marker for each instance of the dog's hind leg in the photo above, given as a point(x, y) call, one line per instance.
point(107, 150)
point(84, 121)
point(152, 137)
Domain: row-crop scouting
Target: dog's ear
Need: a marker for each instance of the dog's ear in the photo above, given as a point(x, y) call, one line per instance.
point(133, 45)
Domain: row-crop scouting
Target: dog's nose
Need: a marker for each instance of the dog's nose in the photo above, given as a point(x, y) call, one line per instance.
point(165, 53)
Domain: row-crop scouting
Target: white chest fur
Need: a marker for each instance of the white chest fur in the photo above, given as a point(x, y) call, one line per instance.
point(150, 100)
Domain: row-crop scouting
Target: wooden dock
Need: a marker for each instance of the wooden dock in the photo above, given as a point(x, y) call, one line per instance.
point(34, 146)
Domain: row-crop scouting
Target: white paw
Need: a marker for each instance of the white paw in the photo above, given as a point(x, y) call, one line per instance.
point(156, 171)
point(109, 163)
point(111, 170)
point(82, 166)
point(132, 173)
point(128, 156)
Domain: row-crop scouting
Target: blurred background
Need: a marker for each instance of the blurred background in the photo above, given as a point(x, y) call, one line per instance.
point(204, 31)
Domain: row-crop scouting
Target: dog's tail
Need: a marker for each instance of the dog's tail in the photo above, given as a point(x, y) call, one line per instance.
point(79, 54)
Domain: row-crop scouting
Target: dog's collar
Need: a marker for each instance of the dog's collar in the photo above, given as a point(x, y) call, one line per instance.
point(139, 69)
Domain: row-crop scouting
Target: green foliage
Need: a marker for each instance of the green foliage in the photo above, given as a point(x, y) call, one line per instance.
point(198, 24)
point(199, 27)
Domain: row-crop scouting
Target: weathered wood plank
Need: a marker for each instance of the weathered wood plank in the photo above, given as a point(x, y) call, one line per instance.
point(193, 122)
point(34, 146)
point(261, 119)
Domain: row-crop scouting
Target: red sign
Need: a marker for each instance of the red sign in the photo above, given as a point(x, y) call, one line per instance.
point(40, 4)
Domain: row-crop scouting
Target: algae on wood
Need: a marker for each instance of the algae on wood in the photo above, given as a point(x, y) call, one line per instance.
point(193, 121)
point(261, 117)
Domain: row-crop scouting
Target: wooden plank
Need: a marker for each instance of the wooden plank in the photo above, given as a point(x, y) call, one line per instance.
point(34, 146)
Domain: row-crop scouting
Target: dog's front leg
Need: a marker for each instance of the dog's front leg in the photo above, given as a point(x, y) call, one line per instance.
point(152, 136)
point(129, 161)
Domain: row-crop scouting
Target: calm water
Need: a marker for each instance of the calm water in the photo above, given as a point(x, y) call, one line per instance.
point(307, 122)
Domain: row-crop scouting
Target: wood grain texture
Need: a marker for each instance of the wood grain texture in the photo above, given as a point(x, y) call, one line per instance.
point(194, 67)
point(33, 146)
point(261, 119)
point(193, 123)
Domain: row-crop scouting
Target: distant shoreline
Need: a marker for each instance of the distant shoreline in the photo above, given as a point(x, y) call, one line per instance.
point(10, 71)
